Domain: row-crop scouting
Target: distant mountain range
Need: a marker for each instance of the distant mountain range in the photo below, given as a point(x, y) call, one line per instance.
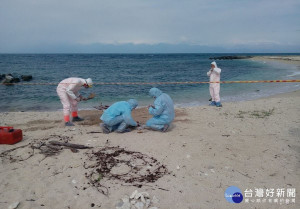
point(155, 48)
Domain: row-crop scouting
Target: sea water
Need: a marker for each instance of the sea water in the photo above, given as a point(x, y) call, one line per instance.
point(52, 68)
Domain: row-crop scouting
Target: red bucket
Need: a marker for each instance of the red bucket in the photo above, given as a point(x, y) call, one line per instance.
point(9, 135)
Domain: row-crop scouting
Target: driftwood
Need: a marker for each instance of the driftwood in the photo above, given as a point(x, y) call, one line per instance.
point(46, 148)
point(65, 144)
point(94, 132)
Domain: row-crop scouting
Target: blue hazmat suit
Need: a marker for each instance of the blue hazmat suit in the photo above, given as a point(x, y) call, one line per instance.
point(163, 110)
point(118, 116)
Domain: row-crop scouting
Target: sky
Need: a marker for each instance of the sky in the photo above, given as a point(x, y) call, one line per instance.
point(155, 26)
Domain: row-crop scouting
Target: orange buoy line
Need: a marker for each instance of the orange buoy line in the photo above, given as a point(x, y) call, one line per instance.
point(164, 83)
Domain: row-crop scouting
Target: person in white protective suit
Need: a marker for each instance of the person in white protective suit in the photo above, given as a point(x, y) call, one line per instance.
point(214, 88)
point(68, 92)
point(163, 111)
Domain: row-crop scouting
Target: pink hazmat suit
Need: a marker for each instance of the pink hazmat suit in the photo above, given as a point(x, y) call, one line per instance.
point(214, 88)
point(68, 92)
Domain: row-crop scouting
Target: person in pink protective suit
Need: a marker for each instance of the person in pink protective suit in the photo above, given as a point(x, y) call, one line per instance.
point(214, 88)
point(68, 92)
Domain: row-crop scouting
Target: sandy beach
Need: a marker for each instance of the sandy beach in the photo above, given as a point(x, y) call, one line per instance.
point(253, 144)
point(250, 145)
point(292, 59)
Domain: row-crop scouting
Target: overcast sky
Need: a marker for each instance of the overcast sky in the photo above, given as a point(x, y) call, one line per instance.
point(41, 25)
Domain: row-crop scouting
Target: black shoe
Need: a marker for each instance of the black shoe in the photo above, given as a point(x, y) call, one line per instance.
point(69, 124)
point(77, 119)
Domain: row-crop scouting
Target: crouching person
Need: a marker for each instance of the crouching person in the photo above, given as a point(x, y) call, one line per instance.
point(118, 117)
point(162, 111)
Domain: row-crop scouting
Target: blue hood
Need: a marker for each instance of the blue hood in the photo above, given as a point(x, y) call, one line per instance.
point(133, 103)
point(155, 92)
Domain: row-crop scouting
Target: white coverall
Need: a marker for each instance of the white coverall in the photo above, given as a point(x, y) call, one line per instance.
point(214, 88)
point(68, 92)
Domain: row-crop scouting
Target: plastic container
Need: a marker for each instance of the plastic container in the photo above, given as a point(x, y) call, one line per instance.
point(9, 135)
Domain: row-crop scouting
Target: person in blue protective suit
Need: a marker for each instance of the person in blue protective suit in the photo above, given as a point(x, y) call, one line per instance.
point(118, 117)
point(162, 111)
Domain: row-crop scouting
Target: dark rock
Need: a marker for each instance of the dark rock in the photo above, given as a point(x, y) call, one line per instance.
point(16, 80)
point(26, 77)
point(230, 57)
point(8, 79)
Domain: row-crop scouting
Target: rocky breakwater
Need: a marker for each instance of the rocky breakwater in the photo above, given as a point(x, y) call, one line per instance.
point(10, 79)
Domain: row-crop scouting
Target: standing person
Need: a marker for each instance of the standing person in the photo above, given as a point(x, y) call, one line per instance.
point(214, 88)
point(68, 92)
point(118, 117)
point(162, 111)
